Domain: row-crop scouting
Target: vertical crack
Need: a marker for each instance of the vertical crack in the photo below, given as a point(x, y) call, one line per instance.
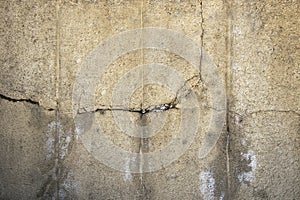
point(228, 157)
point(27, 100)
point(202, 42)
point(228, 38)
point(57, 96)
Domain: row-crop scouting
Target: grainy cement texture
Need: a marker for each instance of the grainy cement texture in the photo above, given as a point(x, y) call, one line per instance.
point(246, 146)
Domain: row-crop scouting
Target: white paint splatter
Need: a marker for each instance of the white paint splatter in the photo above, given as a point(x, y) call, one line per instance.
point(249, 176)
point(222, 196)
point(77, 132)
point(62, 194)
point(64, 140)
point(103, 92)
point(68, 186)
point(50, 143)
point(237, 67)
point(244, 142)
point(78, 60)
point(128, 176)
point(207, 186)
point(237, 30)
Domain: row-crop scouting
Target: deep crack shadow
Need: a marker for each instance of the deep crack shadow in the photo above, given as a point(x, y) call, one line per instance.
point(24, 100)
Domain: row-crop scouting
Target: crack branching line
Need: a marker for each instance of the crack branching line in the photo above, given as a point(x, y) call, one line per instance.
point(30, 101)
point(182, 88)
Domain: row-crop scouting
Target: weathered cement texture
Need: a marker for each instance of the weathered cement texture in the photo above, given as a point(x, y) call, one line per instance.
point(27, 150)
point(45, 154)
point(28, 44)
point(28, 123)
point(189, 177)
point(265, 93)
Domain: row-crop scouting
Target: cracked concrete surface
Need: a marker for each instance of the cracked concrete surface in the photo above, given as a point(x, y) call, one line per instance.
point(181, 93)
point(24, 100)
point(255, 46)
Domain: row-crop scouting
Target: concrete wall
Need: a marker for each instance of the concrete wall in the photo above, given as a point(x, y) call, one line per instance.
point(150, 99)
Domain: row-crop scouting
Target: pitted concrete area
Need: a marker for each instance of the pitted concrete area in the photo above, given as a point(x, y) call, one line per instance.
point(103, 99)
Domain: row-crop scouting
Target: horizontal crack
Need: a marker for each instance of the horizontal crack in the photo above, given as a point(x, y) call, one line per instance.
point(24, 100)
point(278, 111)
point(247, 114)
point(155, 108)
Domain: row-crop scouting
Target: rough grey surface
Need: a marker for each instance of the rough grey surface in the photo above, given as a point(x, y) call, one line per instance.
point(44, 154)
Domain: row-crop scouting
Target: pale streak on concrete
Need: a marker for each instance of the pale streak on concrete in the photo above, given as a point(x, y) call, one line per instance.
point(207, 185)
point(249, 175)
